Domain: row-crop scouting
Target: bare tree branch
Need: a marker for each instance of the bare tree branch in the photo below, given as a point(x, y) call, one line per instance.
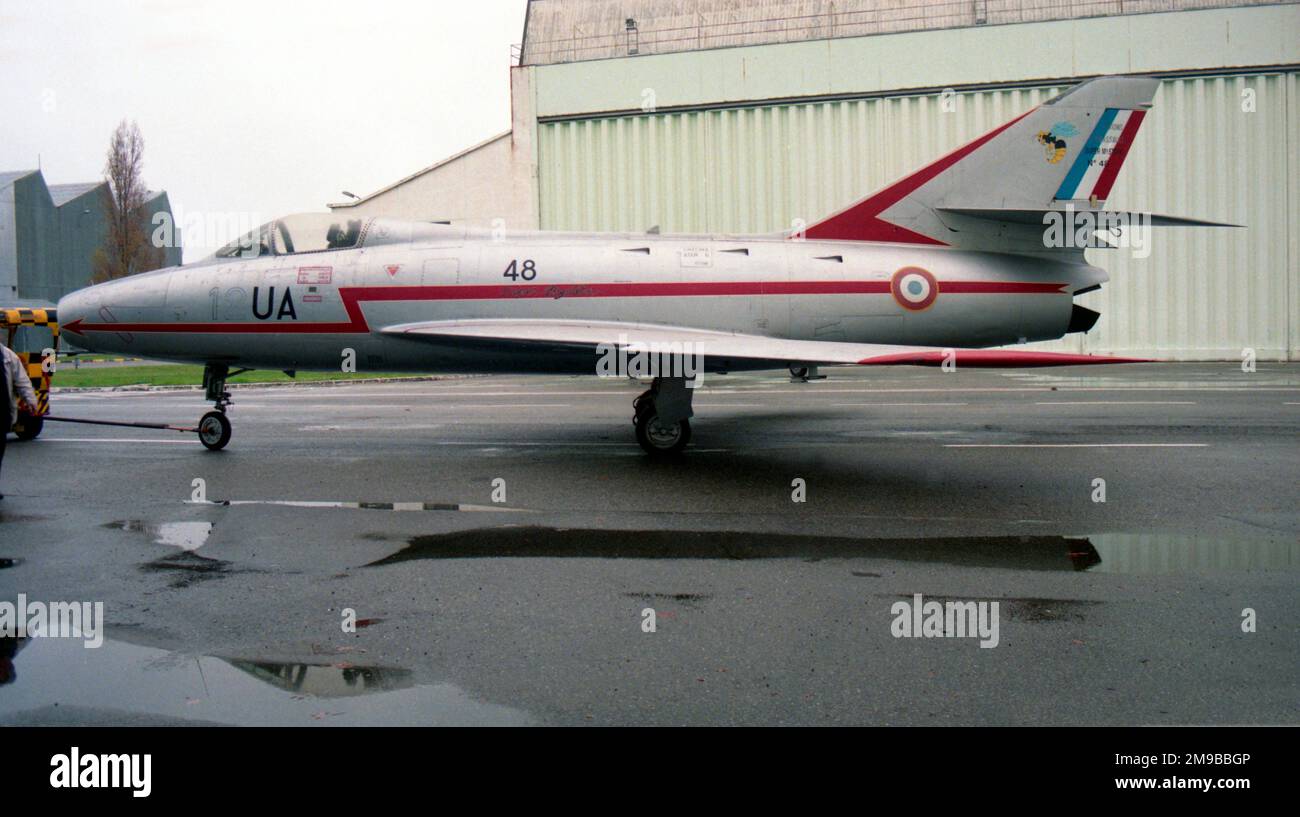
point(126, 249)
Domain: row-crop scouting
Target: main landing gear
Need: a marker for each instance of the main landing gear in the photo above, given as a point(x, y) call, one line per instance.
point(214, 427)
point(662, 415)
point(800, 373)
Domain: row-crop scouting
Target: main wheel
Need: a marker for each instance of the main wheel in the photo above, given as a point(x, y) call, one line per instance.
point(799, 372)
point(28, 427)
point(661, 439)
point(214, 430)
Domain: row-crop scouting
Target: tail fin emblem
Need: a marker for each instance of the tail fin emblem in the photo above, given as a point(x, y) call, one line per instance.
point(1054, 141)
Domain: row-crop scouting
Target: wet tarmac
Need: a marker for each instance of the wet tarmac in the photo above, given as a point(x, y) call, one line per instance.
point(229, 580)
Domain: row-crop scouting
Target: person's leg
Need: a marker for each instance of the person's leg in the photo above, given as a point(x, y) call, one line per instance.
point(4, 434)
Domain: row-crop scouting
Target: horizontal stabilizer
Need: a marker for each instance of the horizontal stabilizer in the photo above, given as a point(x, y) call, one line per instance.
point(1125, 217)
point(720, 350)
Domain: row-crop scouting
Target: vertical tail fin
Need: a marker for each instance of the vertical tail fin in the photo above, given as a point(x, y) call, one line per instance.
point(1098, 162)
point(1069, 149)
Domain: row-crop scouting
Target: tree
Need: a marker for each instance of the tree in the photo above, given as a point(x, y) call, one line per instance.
point(126, 248)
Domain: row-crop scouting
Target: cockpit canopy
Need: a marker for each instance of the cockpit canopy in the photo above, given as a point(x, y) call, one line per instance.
point(300, 233)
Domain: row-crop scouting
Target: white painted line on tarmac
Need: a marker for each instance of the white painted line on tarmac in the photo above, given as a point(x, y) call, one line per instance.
point(1021, 389)
point(900, 404)
point(514, 444)
point(366, 506)
point(1077, 445)
point(1115, 403)
point(495, 405)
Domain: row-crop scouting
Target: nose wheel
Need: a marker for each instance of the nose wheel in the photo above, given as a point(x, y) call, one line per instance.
point(214, 427)
point(214, 430)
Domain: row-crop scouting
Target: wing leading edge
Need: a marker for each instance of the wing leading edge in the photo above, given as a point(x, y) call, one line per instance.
point(721, 350)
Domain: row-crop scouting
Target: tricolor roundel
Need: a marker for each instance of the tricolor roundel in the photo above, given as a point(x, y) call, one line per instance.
point(914, 288)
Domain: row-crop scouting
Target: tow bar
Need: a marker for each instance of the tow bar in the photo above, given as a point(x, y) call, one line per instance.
point(122, 423)
point(213, 429)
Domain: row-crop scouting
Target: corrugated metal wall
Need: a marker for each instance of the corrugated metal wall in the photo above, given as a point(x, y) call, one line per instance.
point(1201, 293)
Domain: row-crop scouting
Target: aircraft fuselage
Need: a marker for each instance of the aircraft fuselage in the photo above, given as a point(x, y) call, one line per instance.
point(302, 311)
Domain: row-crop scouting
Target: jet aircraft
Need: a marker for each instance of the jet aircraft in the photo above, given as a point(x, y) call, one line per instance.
point(952, 259)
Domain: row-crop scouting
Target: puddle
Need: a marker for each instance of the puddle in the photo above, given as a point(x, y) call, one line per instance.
point(183, 535)
point(57, 681)
point(1102, 553)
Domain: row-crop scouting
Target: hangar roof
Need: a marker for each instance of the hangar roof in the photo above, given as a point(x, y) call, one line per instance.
point(64, 193)
point(558, 31)
point(8, 177)
point(354, 202)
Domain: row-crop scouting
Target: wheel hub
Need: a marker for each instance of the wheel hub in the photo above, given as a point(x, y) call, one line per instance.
point(662, 435)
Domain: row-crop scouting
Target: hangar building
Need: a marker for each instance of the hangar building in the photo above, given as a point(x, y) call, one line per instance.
point(49, 233)
point(756, 115)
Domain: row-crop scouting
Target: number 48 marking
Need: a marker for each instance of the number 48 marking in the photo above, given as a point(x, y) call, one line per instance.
point(526, 270)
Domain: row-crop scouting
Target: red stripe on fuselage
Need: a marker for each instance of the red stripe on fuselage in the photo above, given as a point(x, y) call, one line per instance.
point(353, 297)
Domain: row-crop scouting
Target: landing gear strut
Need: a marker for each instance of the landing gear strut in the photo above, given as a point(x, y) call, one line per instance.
point(661, 416)
point(214, 427)
point(800, 373)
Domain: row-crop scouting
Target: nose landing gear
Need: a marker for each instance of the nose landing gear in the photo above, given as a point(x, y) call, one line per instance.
point(214, 427)
point(662, 415)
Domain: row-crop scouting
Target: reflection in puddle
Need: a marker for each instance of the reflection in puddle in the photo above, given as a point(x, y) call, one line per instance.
point(7, 562)
point(9, 648)
point(1169, 553)
point(1109, 553)
point(1018, 552)
point(57, 681)
point(21, 517)
point(326, 680)
point(188, 567)
point(183, 535)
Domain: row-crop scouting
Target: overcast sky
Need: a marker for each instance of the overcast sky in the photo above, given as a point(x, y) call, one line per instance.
point(263, 108)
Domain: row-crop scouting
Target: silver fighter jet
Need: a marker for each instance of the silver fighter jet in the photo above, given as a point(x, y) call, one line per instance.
point(959, 255)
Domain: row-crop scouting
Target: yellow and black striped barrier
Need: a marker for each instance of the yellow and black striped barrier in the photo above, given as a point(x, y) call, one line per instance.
point(40, 366)
point(29, 316)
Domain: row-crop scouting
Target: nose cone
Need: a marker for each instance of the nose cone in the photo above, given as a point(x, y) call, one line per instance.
point(74, 311)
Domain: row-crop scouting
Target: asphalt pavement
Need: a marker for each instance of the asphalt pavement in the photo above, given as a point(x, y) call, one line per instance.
point(503, 546)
